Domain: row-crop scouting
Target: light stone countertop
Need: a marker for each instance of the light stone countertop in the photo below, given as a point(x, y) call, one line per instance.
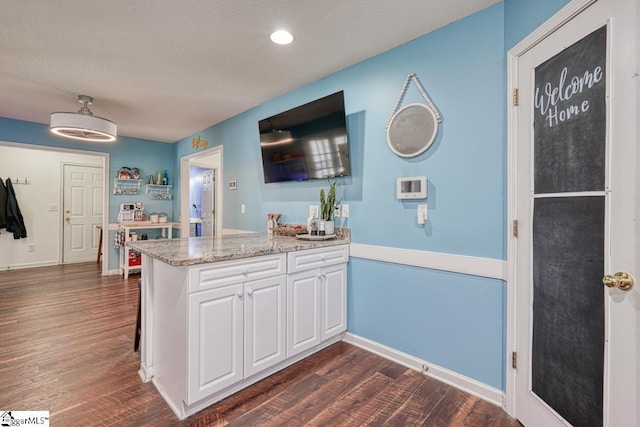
point(200, 250)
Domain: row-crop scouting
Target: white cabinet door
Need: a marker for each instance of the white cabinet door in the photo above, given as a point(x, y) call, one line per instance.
point(264, 326)
point(334, 300)
point(303, 311)
point(215, 341)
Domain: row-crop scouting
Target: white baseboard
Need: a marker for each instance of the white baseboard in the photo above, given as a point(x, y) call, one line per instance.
point(29, 265)
point(466, 384)
point(116, 272)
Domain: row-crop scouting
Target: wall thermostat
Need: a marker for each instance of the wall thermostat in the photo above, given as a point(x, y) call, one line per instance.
point(412, 187)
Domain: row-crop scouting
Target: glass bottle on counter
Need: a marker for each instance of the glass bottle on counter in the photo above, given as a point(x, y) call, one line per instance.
point(313, 230)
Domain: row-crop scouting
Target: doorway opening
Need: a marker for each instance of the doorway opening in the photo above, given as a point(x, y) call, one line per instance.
point(202, 182)
point(201, 190)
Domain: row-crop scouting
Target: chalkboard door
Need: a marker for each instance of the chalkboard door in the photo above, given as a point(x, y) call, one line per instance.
point(572, 342)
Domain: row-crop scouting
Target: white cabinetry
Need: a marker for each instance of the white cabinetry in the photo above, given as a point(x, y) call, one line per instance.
point(303, 311)
point(264, 324)
point(210, 330)
point(316, 296)
point(334, 301)
point(236, 325)
point(215, 341)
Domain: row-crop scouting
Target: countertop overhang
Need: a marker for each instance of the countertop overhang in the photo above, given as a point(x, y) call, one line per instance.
point(199, 250)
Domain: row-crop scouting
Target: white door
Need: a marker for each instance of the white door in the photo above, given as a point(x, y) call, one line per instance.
point(83, 192)
point(264, 325)
point(215, 341)
point(303, 311)
point(208, 203)
point(334, 300)
point(576, 201)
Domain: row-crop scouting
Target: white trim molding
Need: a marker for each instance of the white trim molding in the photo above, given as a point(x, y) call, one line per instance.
point(474, 266)
point(454, 379)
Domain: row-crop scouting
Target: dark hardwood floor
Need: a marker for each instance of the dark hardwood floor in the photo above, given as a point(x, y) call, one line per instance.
point(66, 346)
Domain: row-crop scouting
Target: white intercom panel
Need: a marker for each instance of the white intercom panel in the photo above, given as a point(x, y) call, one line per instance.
point(412, 187)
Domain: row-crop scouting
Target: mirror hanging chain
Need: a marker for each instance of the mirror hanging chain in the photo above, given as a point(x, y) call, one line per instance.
point(413, 77)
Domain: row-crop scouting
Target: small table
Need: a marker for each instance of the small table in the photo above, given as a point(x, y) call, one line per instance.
point(167, 231)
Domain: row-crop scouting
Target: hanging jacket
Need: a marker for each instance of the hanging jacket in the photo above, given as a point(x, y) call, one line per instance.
point(3, 205)
point(15, 222)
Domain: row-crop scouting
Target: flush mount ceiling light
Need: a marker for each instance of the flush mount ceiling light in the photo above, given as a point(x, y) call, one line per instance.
point(281, 37)
point(83, 125)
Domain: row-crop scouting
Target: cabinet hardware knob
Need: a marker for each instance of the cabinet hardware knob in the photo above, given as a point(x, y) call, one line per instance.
point(249, 292)
point(239, 293)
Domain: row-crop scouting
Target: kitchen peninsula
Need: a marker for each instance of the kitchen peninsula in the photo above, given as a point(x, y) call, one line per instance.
point(221, 313)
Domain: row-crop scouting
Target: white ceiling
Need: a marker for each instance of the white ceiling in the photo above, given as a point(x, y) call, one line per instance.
point(165, 69)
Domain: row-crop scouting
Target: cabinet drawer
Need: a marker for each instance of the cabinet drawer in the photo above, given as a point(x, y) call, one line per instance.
point(227, 273)
point(314, 258)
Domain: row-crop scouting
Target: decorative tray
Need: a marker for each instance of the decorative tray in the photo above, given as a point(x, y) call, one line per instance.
point(289, 229)
point(310, 237)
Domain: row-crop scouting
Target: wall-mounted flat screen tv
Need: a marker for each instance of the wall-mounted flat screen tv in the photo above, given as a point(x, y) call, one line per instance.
point(306, 142)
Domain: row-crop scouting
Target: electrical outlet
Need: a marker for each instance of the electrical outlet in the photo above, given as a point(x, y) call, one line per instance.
point(31, 247)
point(314, 211)
point(345, 211)
point(243, 208)
point(336, 212)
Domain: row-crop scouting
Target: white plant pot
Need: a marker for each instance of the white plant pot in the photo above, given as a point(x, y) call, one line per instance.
point(329, 227)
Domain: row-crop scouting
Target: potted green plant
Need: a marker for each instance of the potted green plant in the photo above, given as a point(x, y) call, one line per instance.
point(327, 207)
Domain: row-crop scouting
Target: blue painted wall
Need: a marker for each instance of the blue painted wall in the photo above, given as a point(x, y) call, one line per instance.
point(462, 68)
point(453, 320)
point(524, 16)
point(148, 156)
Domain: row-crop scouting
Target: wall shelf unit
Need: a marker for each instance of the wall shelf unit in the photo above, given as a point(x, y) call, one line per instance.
point(126, 186)
point(159, 192)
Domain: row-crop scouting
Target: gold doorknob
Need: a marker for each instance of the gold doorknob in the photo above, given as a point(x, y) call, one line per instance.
point(67, 219)
point(620, 280)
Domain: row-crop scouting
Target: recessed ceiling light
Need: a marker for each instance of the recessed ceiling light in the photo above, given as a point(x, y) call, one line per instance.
point(281, 37)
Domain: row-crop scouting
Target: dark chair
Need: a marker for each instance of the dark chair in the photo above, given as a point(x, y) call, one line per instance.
point(136, 343)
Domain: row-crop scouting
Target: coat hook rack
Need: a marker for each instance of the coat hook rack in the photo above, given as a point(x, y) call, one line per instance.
point(21, 181)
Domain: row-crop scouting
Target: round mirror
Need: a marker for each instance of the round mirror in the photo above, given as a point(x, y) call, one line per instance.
point(412, 130)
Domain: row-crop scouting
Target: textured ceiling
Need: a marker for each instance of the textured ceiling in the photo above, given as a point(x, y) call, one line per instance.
point(164, 69)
